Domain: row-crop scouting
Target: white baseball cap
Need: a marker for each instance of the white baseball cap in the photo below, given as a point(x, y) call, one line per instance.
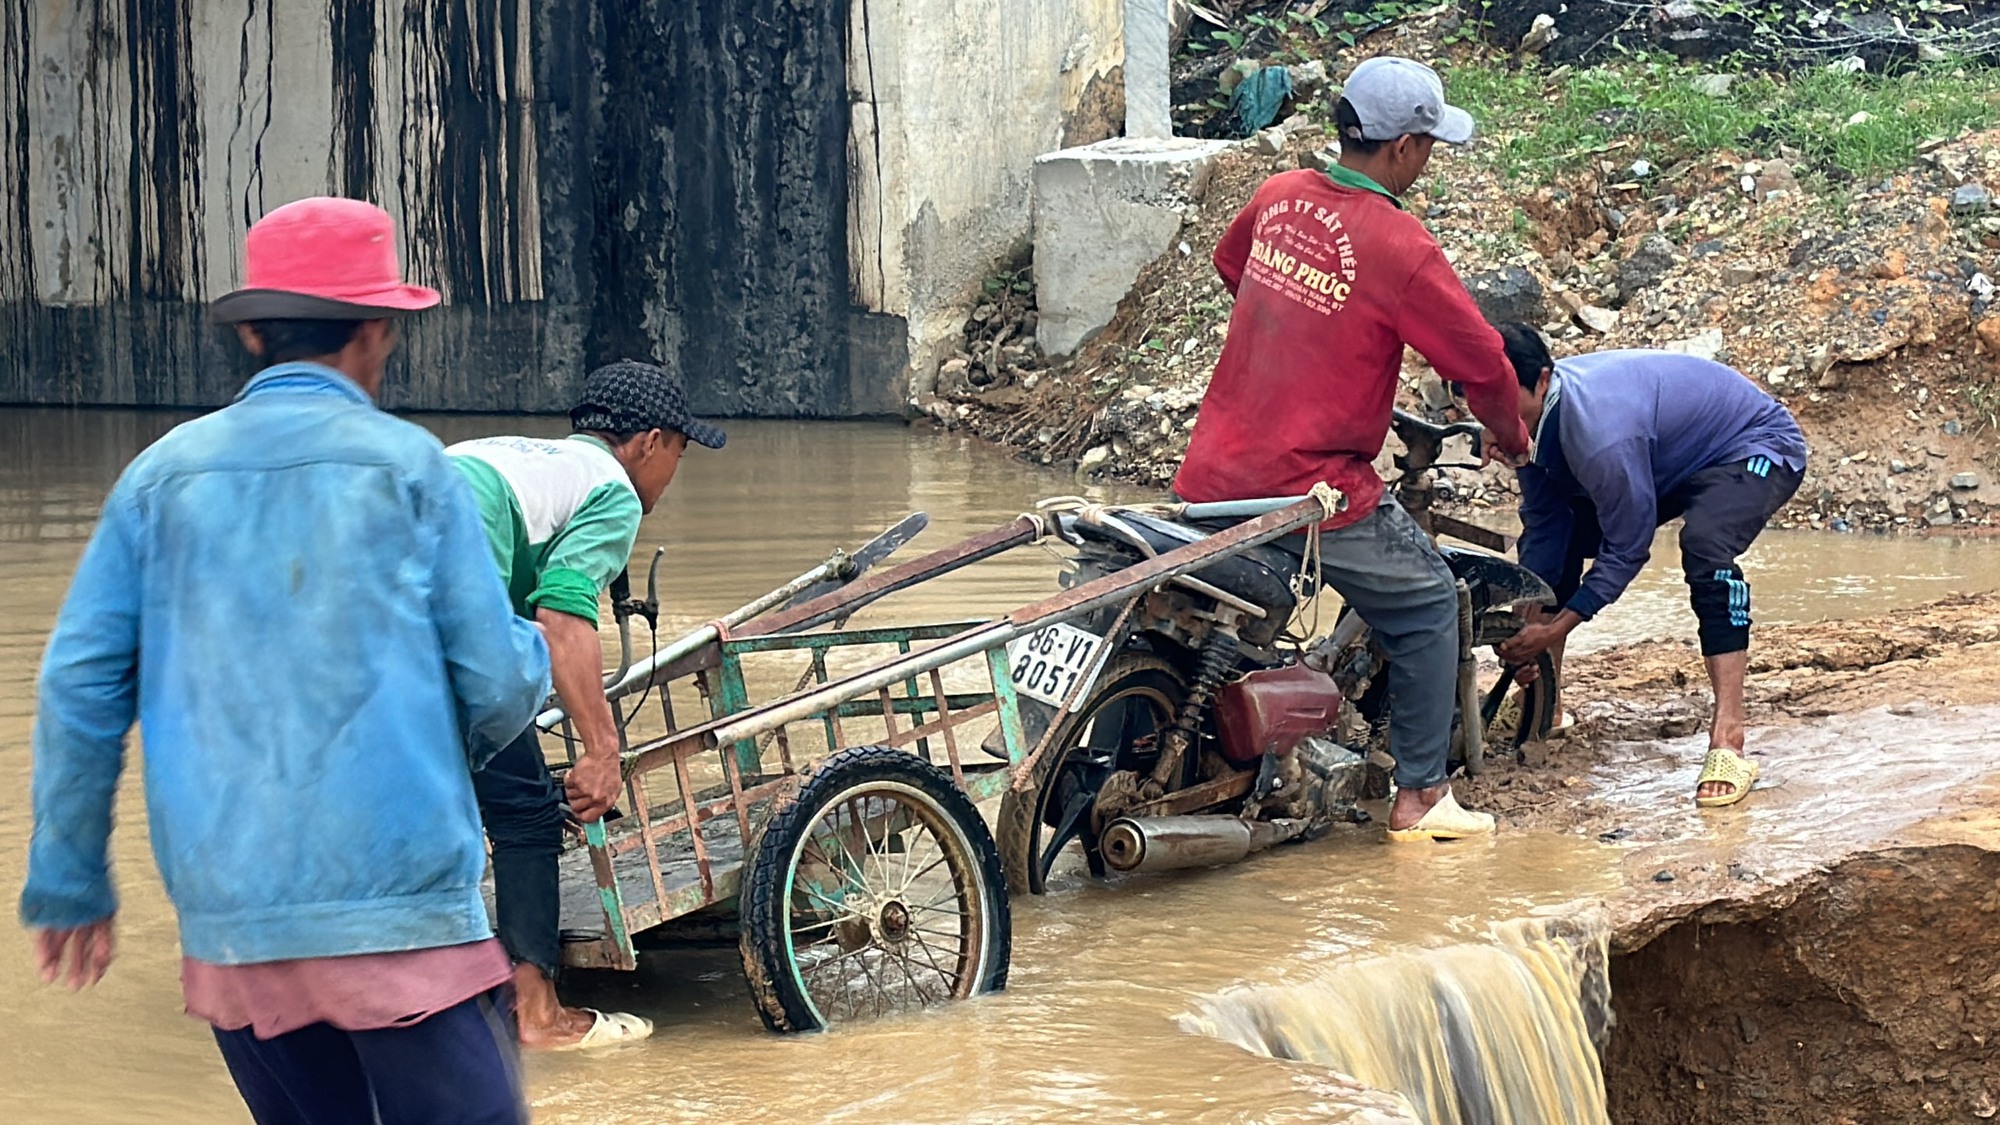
point(1397, 97)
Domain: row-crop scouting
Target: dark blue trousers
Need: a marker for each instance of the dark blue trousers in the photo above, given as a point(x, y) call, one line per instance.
point(459, 1067)
point(521, 805)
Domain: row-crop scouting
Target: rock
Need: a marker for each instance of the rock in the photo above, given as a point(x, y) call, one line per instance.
point(1822, 360)
point(1860, 118)
point(1650, 261)
point(1988, 333)
point(1705, 344)
point(1970, 199)
point(1709, 247)
point(1309, 77)
point(1540, 34)
point(1713, 85)
point(1091, 460)
point(954, 378)
point(1319, 160)
point(1509, 293)
point(1833, 378)
point(1775, 177)
point(1965, 481)
point(1431, 388)
point(1269, 142)
point(1898, 466)
point(1952, 428)
point(1596, 319)
point(1641, 169)
point(1938, 519)
point(1739, 274)
point(1663, 876)
point(1237, 72)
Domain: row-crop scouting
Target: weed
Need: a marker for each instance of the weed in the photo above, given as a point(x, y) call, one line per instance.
point(1983, 400)
point(1540, 125)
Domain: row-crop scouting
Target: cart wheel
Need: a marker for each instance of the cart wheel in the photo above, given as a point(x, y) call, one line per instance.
point(874, 888)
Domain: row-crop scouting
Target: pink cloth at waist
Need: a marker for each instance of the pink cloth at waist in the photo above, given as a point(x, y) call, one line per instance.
point(362, 992)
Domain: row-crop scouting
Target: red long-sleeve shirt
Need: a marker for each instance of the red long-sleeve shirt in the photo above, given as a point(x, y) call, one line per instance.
point(1332, 278)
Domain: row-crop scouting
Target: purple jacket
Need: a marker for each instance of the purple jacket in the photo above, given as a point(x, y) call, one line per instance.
point(1620, 430)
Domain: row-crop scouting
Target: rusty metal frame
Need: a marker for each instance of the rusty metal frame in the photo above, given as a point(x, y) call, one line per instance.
point(679, 833)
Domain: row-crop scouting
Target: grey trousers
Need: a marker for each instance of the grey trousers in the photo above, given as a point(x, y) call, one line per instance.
point(1387, 569)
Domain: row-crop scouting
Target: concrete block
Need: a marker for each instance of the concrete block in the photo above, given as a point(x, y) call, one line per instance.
point(1104, 212)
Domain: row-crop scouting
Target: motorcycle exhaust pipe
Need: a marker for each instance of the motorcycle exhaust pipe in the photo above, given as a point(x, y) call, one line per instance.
point(1168, 843)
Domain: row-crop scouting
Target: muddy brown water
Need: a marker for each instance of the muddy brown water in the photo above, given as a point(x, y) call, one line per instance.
point(1107, 986)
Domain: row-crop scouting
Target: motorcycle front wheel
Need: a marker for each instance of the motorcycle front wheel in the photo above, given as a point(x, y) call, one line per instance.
point(1508, 722)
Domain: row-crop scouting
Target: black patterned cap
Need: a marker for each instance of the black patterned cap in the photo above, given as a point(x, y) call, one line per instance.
point(629, 397)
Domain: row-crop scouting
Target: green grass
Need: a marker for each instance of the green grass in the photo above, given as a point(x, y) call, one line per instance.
point(1537, 126)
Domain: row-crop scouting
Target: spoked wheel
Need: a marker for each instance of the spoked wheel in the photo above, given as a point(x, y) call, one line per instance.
point(1118, 727)
point(1516, 718)
point(875, 889)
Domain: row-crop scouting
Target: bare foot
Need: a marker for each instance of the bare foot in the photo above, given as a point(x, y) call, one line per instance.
point(543, 1022)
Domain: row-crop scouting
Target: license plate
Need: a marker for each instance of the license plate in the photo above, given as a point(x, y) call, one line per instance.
point(1054, 664)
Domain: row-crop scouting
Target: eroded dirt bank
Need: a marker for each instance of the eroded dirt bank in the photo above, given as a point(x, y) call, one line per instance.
point(1824, 952)
point(1873, 996)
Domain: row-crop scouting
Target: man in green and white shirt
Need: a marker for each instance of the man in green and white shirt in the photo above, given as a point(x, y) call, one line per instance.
point(562, 517)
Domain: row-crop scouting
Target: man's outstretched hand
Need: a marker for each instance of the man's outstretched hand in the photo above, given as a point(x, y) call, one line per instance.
point(1544, 631)
point(76, 957)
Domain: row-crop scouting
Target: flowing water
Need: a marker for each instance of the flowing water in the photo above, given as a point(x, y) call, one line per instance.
point(1505, 1032)
point(1104, 984)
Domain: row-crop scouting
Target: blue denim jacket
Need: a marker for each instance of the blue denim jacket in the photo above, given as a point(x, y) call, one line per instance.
point(295, 598)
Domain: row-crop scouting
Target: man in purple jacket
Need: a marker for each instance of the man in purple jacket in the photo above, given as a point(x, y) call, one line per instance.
point(1624, 442)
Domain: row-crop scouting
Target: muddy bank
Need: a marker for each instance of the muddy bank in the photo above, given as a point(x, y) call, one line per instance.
point(1912, 664)
point(1872, 996)
point(1871, 326)
point(1824, 951)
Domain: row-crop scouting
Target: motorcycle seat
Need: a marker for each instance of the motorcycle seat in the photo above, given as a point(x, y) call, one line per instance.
point(1261, 575)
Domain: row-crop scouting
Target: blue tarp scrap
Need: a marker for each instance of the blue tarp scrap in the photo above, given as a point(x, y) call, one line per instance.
point(1257, 98)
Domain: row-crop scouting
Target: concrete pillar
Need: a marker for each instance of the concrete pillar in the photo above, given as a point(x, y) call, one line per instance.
point(1148, 96)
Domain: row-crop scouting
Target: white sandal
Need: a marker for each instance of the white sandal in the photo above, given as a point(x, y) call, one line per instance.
point(1446, 820)
point(608, 1029)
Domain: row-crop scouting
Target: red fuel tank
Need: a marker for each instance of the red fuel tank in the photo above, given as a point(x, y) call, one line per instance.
point(1272, 708)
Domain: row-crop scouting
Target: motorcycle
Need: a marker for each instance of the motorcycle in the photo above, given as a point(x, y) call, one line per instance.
point(1212, 731)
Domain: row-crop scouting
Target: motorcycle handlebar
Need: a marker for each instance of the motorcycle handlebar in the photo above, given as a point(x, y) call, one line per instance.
point(1408, 426)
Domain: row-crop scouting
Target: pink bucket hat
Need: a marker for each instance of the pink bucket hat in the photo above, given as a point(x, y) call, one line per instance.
point(321, 259)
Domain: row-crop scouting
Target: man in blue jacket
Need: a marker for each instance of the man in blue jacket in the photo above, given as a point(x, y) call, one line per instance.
point(1624, 442)
point(294, 598)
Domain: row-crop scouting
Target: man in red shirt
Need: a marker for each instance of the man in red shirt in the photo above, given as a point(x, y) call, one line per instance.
point(1332, 279)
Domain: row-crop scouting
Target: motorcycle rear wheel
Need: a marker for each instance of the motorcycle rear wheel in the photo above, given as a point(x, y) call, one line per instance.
point(1116, 728)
